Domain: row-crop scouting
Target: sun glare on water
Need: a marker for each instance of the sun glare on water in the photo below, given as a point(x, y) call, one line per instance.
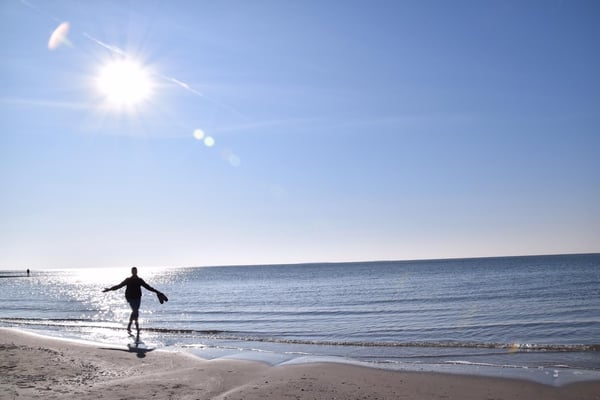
point(124, 83)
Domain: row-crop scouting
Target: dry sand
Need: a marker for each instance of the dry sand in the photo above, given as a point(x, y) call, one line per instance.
point(33, 367)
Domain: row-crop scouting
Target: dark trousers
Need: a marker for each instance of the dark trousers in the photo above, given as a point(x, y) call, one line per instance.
point(135, 307)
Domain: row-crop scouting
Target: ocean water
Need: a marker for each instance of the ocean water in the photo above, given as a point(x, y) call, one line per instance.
point(533, 317)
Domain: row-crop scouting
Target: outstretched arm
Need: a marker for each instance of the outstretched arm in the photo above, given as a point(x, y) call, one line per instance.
point(161, 296)
point(150, 288)
point(119, 286)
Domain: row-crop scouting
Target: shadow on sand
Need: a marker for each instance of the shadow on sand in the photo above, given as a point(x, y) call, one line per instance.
point(140, 352)
point(138, 347)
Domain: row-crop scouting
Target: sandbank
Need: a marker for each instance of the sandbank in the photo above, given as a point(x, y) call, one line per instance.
point(33, 366)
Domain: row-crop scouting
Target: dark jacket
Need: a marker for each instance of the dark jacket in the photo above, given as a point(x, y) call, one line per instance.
point(134, 287)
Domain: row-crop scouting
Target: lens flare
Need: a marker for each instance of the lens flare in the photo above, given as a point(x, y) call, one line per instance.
point(232, 158)
point(209, 141)
point(59, 36)
point(198, 134)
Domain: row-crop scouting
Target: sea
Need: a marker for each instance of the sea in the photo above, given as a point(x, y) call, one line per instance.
point(535, 318)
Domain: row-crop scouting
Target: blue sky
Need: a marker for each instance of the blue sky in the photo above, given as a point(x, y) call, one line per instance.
point(343, 131)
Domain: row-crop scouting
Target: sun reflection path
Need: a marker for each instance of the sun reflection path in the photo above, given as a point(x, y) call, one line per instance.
point(93, 313)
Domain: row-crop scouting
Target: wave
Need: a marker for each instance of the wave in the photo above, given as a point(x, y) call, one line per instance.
point(516, 347)
point(252, 337)
point(87, 323)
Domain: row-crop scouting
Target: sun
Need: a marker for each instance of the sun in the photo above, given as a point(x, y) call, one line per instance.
point(124, 83)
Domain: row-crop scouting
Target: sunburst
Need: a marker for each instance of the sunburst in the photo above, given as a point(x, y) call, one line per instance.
point(124, 84)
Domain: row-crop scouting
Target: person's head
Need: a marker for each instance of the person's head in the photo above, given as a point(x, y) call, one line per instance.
point(134, 271)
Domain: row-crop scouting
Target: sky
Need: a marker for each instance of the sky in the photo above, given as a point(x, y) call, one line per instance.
point(297, 131)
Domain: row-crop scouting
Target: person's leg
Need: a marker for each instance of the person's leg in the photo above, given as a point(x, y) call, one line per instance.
point(135, 308)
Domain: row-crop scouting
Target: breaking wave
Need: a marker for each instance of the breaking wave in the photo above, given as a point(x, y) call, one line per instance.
point(252, 337)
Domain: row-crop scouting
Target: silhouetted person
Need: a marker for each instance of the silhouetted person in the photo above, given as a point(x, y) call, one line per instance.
point(28, 271)
point(133, 294)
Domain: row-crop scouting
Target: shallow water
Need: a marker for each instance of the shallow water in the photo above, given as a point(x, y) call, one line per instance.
point(518, 314)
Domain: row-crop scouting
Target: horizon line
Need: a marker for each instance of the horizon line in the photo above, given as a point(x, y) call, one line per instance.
point(12, 269)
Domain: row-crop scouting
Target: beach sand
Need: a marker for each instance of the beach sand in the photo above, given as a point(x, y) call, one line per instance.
point(33, 366)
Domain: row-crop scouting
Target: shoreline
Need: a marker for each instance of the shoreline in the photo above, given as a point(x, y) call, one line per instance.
point(33, 365)
point(546, 370)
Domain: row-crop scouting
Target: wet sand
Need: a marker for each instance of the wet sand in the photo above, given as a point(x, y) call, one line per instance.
point(33, 367)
